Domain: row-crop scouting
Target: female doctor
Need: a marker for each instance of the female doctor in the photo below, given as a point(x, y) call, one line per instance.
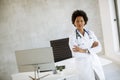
point(84, 46)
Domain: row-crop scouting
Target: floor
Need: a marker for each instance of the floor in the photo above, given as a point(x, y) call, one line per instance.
point(112, 71)
point(111, 68)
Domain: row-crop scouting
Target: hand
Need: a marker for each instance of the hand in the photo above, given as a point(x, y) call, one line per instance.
point(77, 49)
point(95, 44)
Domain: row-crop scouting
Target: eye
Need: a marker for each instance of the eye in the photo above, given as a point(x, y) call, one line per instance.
point(77, 21)
point(82, 20)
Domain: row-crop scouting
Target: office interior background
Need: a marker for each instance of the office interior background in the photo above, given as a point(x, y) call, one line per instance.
point(27, 24)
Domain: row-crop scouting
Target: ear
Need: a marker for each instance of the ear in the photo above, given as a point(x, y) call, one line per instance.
point(74, 25)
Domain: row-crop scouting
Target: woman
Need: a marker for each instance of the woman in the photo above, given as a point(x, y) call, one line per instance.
point(84, 46)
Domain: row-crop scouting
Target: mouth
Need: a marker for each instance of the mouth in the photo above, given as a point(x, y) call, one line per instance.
point(80, 26)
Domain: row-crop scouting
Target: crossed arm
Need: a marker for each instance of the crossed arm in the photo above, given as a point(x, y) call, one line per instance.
point(77, 49)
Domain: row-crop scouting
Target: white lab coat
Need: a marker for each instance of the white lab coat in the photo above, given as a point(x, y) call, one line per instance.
point(87, 64)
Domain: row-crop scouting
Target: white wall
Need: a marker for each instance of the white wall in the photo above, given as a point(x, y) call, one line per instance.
point(26, 24)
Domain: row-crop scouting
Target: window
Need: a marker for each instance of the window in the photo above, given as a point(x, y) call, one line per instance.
point(117, 10)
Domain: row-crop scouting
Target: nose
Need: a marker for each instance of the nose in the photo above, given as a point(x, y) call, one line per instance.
point(79, 23)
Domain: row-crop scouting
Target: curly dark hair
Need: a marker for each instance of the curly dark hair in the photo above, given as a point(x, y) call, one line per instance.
point(79, 13)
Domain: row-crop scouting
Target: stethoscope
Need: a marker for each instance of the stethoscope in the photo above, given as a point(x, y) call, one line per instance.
point(78, 35)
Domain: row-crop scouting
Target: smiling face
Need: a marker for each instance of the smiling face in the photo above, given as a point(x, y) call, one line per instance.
point(79, 23)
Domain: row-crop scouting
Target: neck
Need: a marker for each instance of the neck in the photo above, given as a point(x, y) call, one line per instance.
point(81, 31)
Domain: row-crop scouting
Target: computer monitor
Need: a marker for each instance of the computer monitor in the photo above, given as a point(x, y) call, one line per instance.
point(28, 59)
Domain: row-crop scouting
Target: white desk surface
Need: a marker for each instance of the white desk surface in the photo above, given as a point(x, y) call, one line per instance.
point(69, 73)
point(66, 73)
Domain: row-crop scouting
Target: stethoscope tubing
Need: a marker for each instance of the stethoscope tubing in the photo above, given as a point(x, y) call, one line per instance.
point(78, 35)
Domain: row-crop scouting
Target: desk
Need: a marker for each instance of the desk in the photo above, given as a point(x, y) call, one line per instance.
point(25, 76)
point(68, 74)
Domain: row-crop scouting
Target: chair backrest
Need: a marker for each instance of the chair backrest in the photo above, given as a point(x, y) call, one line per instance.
point(61, 49)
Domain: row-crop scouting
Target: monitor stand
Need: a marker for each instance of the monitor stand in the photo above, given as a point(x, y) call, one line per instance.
point(37, 73)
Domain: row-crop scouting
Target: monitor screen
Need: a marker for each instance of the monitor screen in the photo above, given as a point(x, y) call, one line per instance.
point(27, 59)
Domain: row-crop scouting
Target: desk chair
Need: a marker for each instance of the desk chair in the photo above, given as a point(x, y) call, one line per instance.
point(61, 50)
